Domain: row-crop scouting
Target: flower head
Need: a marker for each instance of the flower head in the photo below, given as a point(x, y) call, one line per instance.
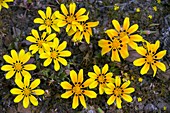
point(71, 18)
point(118, 91)
point(150, 58)
point(3, 3)
point(100, 77)
point(55, 52)
point(26, 91)
point(17, 65)
point(39, 41)
point(86, 32)
point(77, 89)
point(47, 20)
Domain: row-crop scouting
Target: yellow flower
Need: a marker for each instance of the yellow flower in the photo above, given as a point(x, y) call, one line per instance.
point(119, 91)
point(18, 65)
point(150, 16)
point(115, 45)
point(47, 20)
point(100, 77)
point(77, 89)
point(4, 4)
point(86, 32)
point(150, 58)
point(138, 10)
point(116, 7)
point(39, 41)
point(55, 53)
point(158, 1)
point(26, 91)
point(139, 99)
point(154, 8)
point(71, 18)
point(140, 79)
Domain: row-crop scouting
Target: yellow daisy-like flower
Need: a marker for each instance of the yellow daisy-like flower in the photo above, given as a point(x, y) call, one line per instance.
point(26, 91)
point(47, 20)
point(150, 58)
point(86, 32)
point(71, 18)
point(18, 65)
point(118, 91)
point(100, 77)
point(55, 53)
point(77, 89)
point(39, 41)
point(3, 3)
point(117, 44)
point(126, 30)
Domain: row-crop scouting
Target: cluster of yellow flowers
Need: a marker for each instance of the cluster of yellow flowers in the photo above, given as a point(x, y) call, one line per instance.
point(49, 48)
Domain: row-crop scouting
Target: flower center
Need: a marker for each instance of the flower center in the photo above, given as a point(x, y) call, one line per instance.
point(149, 58)
point(115, 43)
point(54, 54)
point(48, 22)
point(122, 34)
point(101, 79)
point(70, 19)
point(27, 91)
point(18, 66)
point(118, 91)
point(40, 42)
point(77, 89)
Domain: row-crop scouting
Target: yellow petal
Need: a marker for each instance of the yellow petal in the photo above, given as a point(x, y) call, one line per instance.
point(129, 90)
point(18, 98)
point(31, 39)
point(42, 27)
point(87, 83)
point(56, 28)
point(92, 75)
point(4, 4)
point(26, 74)
point(117, 81)
point(92, 24)
point(6, 67)
point(64, 9)
point(124, 51)
point(35, 83)
point(14, 55)
point(72, 8)
point(80, 12)
point(56, 42)
point(62, 46)
point(105, 69)
point(62, 61)
point(71, 32)
point(19, 83)
point(126, 84)
point(96, 70)
point(61, 23)
point(60, 16)
point(110, 85)
point(42, 14)
point(125, 39)
point(103, 42)
point(80, 76)
point(87, 37)
point(136, 37)
point(90, 94)
point(156, 46)
point(21, 54)
point(18, 75)
point(68, 28)
point(47, 61)
point(39, 20)
point(154, 69)
point(82, 101)
point(101, 89)
point(133, 28)
point(33, 100)
point(82, 18)
point(44, 56)
point(145, 68)
point(126, 23)
point(8, 59)
point(141, 51)
point(127, 98)
point(38, 92)
point(67, 94)
point(116, 25)
point(16, 91)
point(48, 12)
point(73, 76)
point(111, 100)
point(25, 58)
point(9, 74)
point(160, 55)
point(111, 33)
point(48, 29)
point(34, 48)
point(51, 37)
point(139, 62)
point(26, 101)
point(26, 81)
point(105, 50)
point(66, 85)
point(75, 102)
point(108, 91)
point(65, 53)
point(133, 45)
point(118, 103)
point(56, 65)
point(35, 33)
point(115, 56)
point(161, 66)
point(93, 84)
point(29, 67)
